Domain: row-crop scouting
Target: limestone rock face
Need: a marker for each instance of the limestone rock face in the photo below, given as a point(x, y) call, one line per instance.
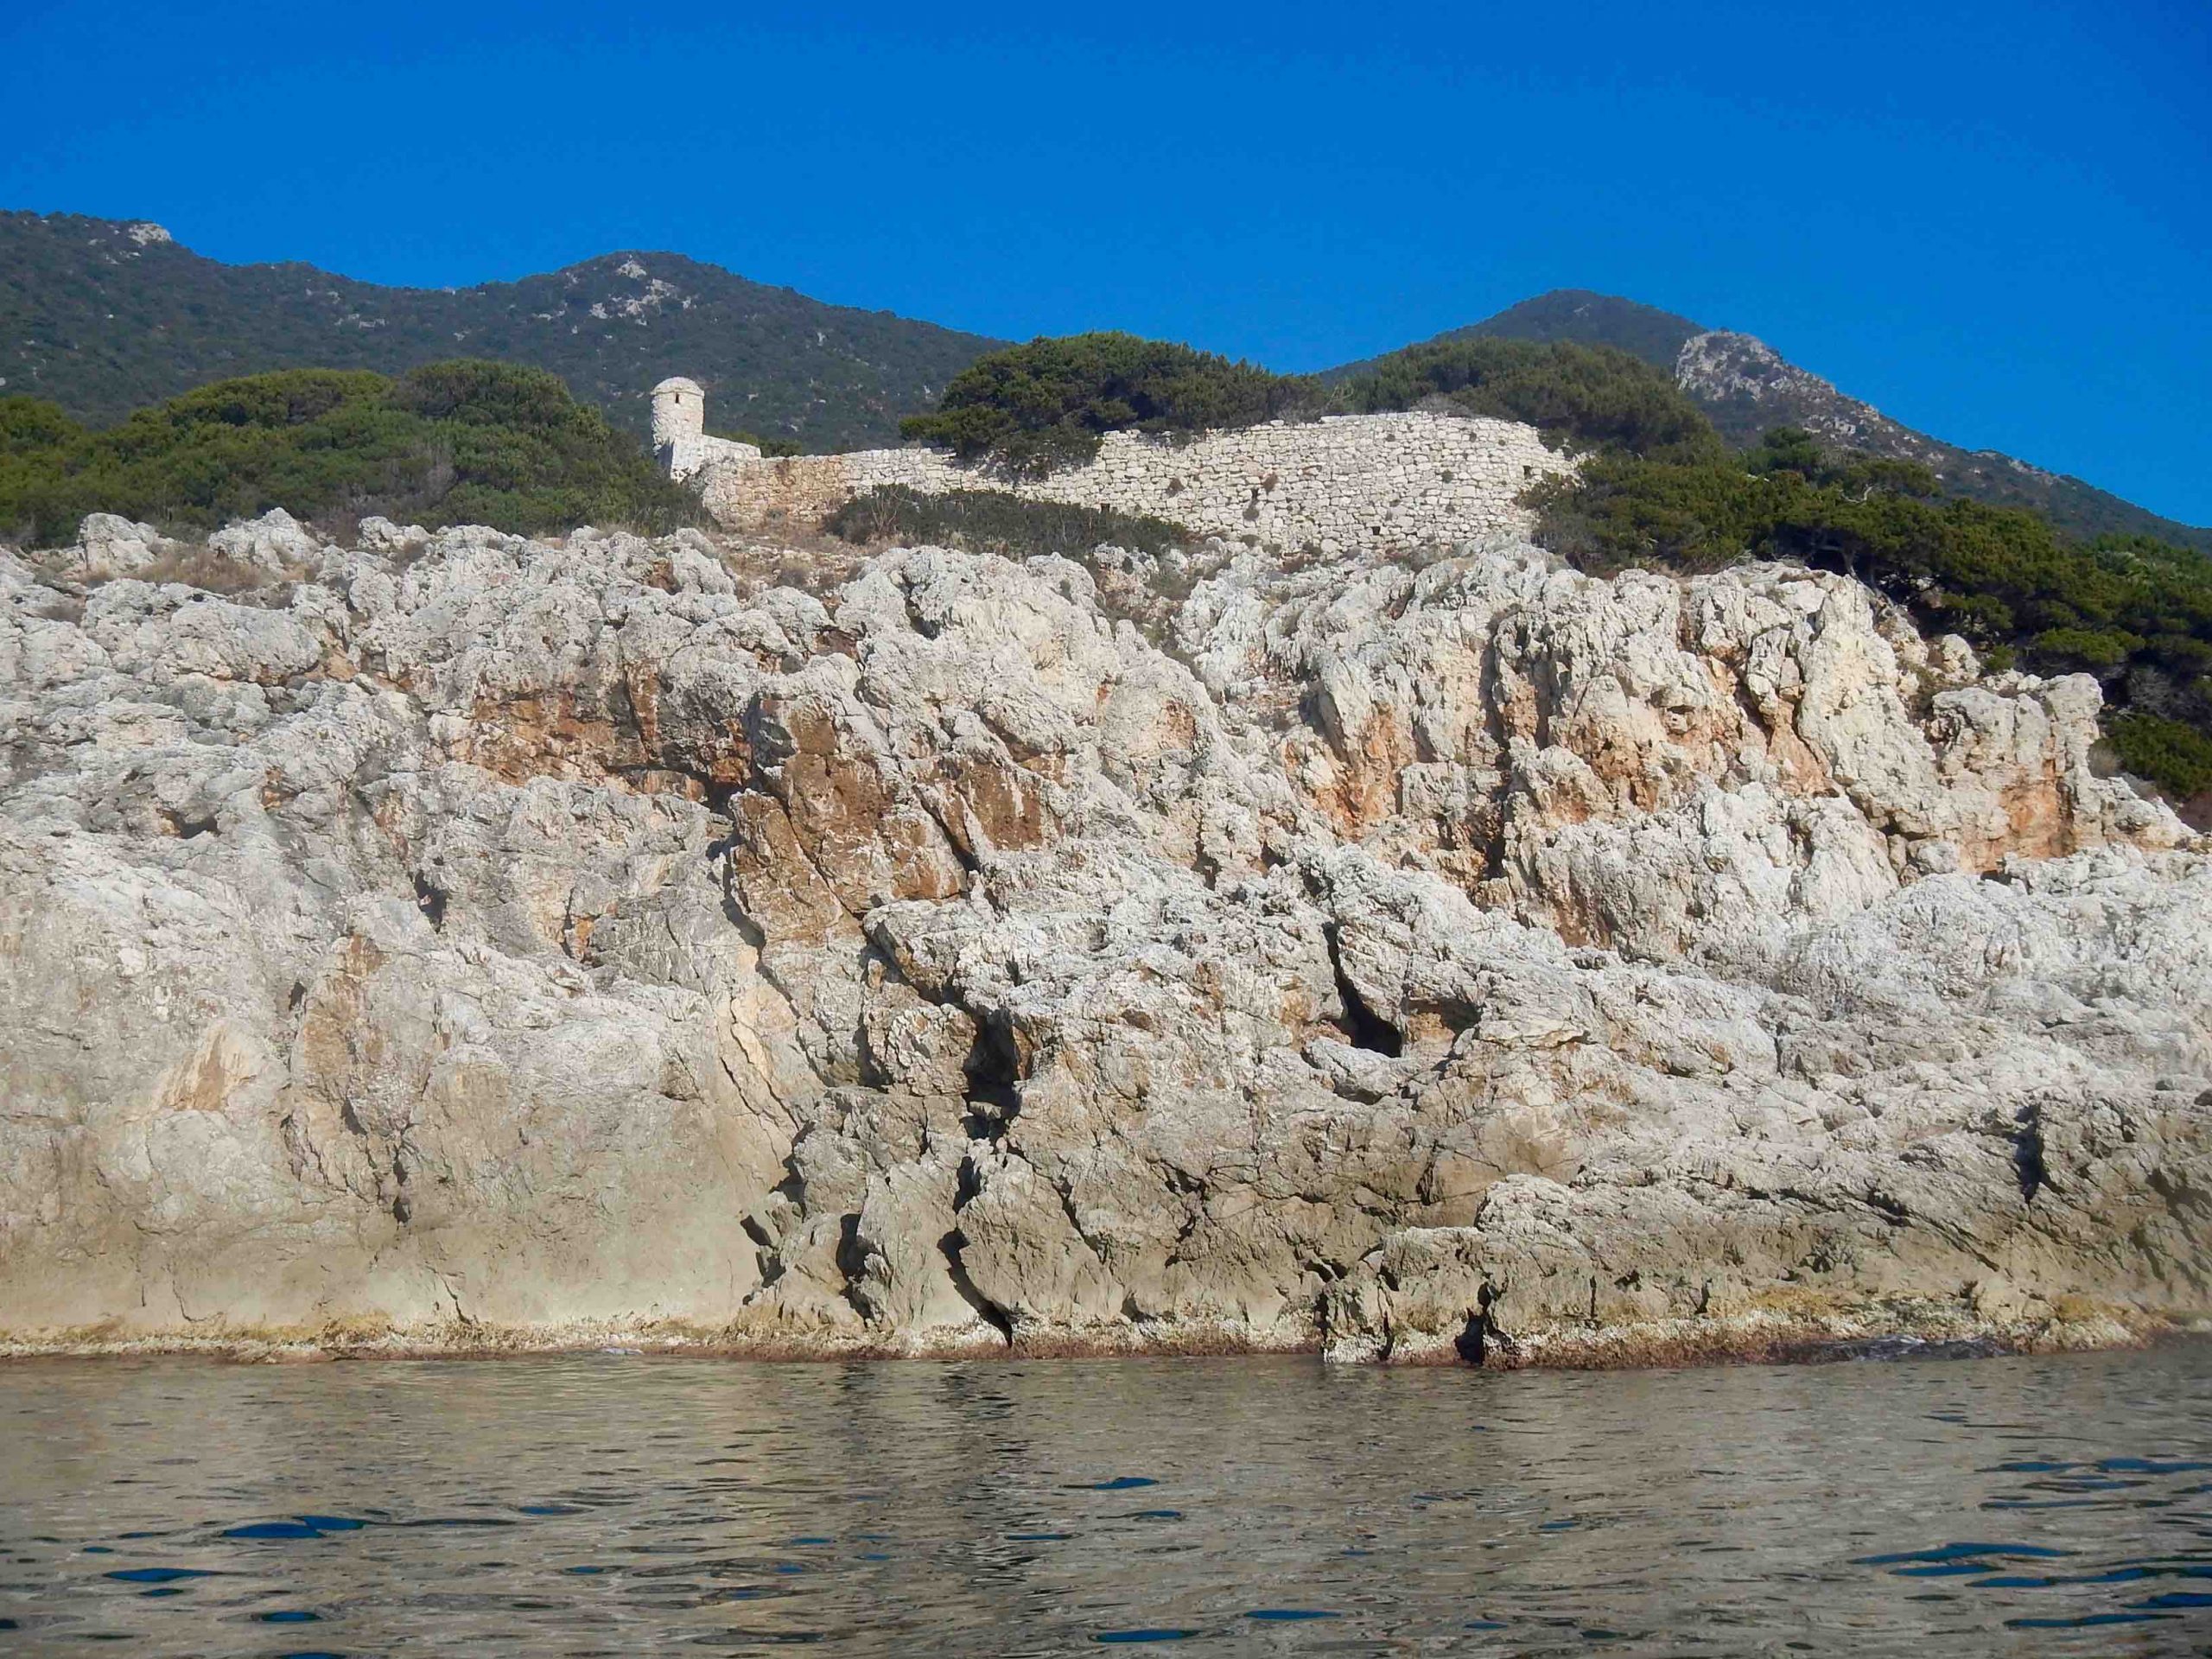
point(473, 940)
point(273, 544)
point(108, 545)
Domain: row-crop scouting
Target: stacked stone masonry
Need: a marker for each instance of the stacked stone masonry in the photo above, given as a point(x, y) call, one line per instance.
point(680, 437)
point(1352, 481)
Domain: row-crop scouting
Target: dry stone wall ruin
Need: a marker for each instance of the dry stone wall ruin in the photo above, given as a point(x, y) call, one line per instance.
point(1371, 481)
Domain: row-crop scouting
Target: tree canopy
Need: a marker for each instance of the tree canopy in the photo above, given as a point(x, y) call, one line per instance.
point(1585, 397)
point(457, 442)
point(1033, 408)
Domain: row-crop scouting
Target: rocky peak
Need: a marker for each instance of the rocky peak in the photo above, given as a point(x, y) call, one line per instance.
point(1748, 387)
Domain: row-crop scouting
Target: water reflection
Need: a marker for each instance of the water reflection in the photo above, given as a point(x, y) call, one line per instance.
point(627, 1505)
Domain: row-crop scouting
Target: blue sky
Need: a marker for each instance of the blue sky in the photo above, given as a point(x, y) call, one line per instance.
point(1993, 221)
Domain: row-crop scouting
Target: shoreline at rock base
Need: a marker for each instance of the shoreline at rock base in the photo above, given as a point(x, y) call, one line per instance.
point(1911, 1330)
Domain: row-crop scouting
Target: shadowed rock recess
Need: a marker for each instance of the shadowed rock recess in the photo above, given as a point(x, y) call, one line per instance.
point(467, 941)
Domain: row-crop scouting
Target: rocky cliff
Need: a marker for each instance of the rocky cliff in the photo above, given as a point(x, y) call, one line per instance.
point(467, 941)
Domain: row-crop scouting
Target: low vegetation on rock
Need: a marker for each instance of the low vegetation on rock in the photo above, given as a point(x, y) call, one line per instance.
point(462, 443)
point(995, 521)
point(1143, 568)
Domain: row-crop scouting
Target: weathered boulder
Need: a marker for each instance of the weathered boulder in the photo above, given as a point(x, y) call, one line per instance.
point(276, 544)
point(107, 545)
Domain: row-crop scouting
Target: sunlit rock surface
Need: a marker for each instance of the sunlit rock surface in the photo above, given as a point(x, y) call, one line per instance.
point(460, 940)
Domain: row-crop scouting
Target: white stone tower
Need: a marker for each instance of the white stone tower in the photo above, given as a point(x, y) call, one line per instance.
point(680, 430)
point(680, 425)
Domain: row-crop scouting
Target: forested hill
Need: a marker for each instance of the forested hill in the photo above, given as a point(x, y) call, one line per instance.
point(104, 316)
point(1588, 319)
point(1745, 388)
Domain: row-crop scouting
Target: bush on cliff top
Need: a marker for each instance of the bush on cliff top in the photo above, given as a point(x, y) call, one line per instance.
point(458, 442)
point(1585, 397)
point(1035, 408)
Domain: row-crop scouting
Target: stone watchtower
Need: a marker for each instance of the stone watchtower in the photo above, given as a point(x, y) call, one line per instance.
point(679, 425)
point(680, 439)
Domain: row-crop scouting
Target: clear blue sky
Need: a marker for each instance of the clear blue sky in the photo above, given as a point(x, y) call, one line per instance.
point(1992, 220)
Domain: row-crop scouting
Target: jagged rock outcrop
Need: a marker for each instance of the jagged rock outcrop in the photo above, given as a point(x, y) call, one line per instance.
point(1749, 386)
point(469, 940)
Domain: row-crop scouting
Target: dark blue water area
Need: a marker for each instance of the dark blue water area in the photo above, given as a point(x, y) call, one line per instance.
point(1146, 1633)
point(1982, 1506)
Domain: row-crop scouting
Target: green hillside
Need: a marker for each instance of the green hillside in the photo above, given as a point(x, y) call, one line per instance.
point(1744, 389)
point(104, 317)
point(1574, 315)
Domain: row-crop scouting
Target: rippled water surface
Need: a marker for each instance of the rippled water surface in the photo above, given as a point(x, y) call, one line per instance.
point(625, 1505)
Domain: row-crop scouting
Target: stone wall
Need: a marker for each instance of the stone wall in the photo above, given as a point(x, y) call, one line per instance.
point(680, 440)
point(694, 452)
point(1373, 481)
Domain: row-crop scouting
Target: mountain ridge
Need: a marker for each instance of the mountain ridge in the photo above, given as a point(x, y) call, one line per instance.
point(1744, 386)
point(82, 323)
point(80, 326)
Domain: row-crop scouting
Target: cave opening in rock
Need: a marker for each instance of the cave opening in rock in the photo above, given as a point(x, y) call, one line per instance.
point(1363, 1027)
point(430, 900)
point(993, 1095)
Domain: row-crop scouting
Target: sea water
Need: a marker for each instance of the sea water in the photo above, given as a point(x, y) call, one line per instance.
point(619, 1504)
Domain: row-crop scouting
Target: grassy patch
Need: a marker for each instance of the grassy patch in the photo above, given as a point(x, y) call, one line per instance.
point(993, 521)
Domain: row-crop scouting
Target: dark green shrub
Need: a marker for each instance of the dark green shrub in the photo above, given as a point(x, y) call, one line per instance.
point(2174, 756)
point(28, 424)
point(1786, 449)
point(2091, 650)
point(453, 442)
point(991, 521)
point(1590, 397)
point(1033, 409)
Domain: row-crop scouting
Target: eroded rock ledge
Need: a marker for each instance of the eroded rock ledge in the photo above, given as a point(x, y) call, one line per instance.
point(467, 941)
